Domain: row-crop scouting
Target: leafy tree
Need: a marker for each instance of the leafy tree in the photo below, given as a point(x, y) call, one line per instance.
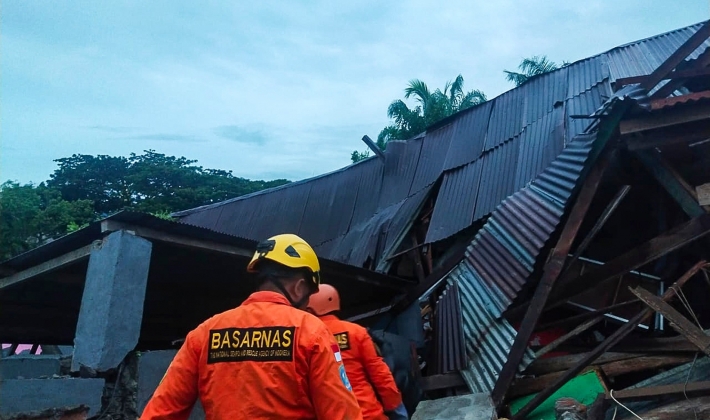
point(531, 67)
point(30, 215)
point(150, 182)
point(431, 107)
point(358, 156)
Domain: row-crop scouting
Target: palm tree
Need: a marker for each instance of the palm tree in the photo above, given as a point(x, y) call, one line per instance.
point(530, 67)
point(431, 107)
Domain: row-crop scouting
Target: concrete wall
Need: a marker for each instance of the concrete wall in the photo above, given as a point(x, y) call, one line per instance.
point(26, 395)
point(151, 368)
point(29, 367)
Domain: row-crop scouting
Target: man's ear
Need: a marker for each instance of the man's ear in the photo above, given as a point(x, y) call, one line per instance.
point(301, 287)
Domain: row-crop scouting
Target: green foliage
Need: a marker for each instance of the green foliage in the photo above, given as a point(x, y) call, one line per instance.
point(531, 67)
point(165, 215)
point(30, 215)
point(431, 107)
point(150, 182)
point(85, 188)
point(358, 156)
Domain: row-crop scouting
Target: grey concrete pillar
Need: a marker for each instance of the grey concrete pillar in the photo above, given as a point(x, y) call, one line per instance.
point(112, 305)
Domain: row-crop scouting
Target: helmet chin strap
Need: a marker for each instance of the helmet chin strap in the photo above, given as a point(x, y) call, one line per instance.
point(296, 304)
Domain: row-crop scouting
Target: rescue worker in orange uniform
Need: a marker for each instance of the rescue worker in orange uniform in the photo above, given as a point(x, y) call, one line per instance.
point(267, 358)
point(371, 379)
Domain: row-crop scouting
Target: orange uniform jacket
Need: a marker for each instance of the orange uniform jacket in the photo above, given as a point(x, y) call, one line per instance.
point(264, 359)
point(368, 373)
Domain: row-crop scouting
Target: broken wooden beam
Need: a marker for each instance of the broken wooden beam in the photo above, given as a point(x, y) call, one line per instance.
point(527, 386)
point(657, 247)
point(677, 57)
point(671, 181)
point(653, 392)
point(575, 332)
point(665, 118)
point(678, 322)
point(583, 316)
point(603, 347)
point(686, 133)
point(552, 270)
point(696, 408)
point(606, 214)
point(561, 363)
point(442, 381)
point(682, 74)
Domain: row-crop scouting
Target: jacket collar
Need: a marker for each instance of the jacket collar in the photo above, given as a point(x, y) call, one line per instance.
point(266, 296)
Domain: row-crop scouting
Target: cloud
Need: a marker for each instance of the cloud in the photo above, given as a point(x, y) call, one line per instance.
point(166, 137)
point(111, 129)
point(241, 134)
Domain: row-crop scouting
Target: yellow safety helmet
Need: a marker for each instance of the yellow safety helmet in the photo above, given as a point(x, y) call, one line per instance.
point(289, 250)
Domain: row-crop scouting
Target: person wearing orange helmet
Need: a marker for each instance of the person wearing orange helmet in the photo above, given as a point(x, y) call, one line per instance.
point(371, 379)
point(267, 358)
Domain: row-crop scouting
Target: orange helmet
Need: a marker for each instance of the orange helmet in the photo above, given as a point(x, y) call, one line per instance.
point(325, 301)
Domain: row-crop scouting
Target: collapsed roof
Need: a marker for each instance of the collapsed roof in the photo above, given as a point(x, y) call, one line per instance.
point(469, 163)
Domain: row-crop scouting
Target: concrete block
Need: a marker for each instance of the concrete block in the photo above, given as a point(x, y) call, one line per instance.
point(28, 367)
point(463, 407)
point(26, 395)
point(151, 368)
point(112, 304)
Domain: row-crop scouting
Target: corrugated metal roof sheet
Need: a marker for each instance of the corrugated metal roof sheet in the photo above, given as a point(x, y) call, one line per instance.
point(401, 160)
point(371, 173)
point(317, 225)
point(468, 136)
point(545, 92)
point(643, 57)
point(449, 348)
point(403, 218)
point(501, 258)
point(514, 137)
point(506, 247)
point(584, 74)
point(431, 158)
point(540, 143)
point(455, 201)
point(585, 104)
point(497, 177)
point(506, 118)
point(488, 338)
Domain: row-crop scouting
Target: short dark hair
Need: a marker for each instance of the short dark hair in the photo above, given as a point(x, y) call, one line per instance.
point(270, 270)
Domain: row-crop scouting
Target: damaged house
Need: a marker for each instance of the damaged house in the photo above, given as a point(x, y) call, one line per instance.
point(550, 243)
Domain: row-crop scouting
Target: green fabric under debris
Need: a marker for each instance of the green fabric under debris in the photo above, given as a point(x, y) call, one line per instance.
point(584, 388)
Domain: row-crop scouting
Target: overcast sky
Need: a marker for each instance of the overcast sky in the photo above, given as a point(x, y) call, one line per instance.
point(268, 89)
